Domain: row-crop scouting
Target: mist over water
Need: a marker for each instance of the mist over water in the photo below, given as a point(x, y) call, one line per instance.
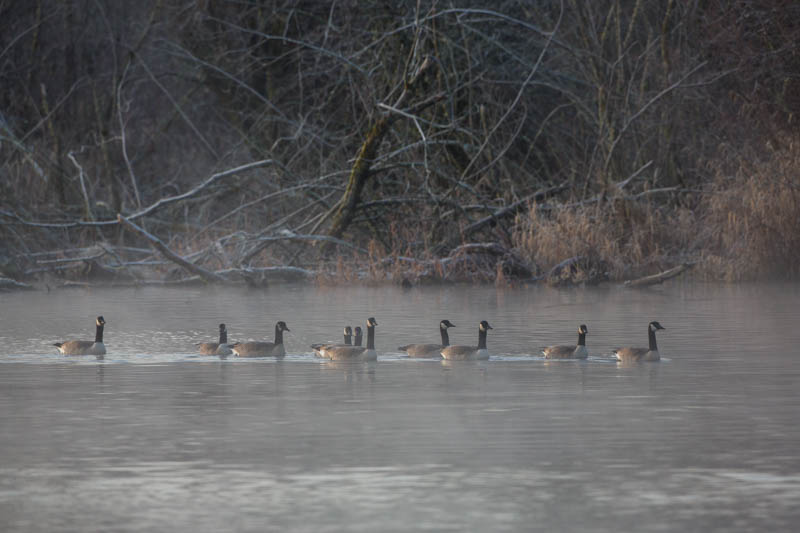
point(155, 437)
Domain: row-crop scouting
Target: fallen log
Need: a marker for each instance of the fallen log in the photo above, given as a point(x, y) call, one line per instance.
point(658, 278)
point(207, 275)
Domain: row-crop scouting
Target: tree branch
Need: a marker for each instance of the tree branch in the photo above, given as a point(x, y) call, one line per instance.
point(169, 254)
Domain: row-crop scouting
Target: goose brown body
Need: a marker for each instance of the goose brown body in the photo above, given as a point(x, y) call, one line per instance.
point(319, 347)
point(430, 350)
point(216, 348)
point(469, 353)
point(569, 351)
point(355, 353)
point(631, 355)
point(85, 347)
point(263, 349)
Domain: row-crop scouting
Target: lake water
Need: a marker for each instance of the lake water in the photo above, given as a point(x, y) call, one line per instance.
point(155, 438)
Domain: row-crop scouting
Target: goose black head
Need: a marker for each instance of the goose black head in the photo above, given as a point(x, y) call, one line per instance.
point(485, 325)
point(655, 326)
point(222, 327)
point(372, 322)
point(348, 330)
point(100, 321)
point(446, 324)
point(583, 329)
point(282, 326)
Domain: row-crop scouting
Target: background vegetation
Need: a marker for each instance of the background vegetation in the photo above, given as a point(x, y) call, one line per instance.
point(414, 139)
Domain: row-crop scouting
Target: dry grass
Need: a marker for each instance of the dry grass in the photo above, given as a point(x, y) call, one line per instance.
point(746, 226)
point(753, 217)
point(624, 236)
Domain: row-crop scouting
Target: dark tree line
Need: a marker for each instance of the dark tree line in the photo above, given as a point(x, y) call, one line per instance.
point(394, 128)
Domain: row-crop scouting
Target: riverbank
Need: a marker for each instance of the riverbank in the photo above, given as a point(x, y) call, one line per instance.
point(744, 226)
point(480, 263)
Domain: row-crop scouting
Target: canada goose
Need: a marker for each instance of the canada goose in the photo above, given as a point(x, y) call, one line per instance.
point(85, 347)
point(348, 336)
point(569, 351)
point(469, 353)
point(642, 354)
point(216, 348)
point(263, 349)
point(358, 336)
point(355, 353)
point(430, 350)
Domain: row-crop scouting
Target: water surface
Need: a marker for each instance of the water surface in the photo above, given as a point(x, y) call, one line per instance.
point(154, 437)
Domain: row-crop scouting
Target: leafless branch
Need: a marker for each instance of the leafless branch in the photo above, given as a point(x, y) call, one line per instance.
point(169, 254)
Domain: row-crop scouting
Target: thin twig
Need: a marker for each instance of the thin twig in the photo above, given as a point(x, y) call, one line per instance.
point(87, 206)
point(146, 211)
point(123, 141)
point(70, 259)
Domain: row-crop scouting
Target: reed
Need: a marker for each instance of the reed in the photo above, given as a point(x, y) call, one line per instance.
point(753, 217)
point(626, 237)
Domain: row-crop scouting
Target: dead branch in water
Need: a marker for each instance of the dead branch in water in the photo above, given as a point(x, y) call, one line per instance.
point(8, 283)
point(658, 278)
point(207, 275)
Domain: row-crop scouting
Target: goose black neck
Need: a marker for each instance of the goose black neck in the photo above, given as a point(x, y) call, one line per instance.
point(370, 337)
point(581, 339)
point(445, 337)
point(358, 340)
point(651, 335)
point(223, 336)
point(348, 340)
point(98, 335)
point(278, 335)
point(481, 339)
